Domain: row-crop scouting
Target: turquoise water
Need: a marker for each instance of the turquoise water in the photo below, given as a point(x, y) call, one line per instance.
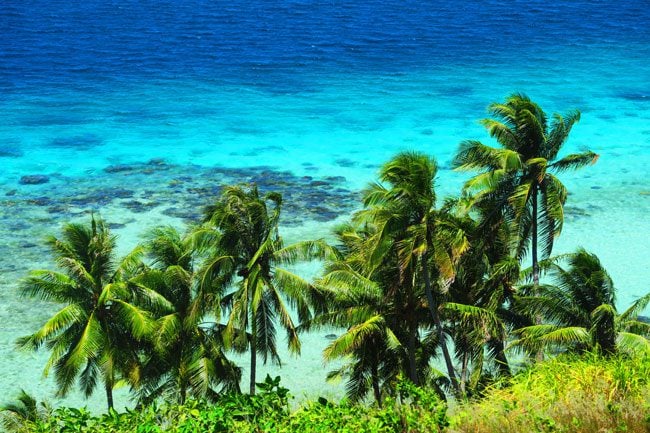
point(149, 139)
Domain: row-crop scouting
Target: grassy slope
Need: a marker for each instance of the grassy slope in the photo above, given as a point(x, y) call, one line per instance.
point(576, 395)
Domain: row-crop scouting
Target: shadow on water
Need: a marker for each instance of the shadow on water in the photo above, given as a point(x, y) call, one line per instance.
point(84, 141)
point(10, 148)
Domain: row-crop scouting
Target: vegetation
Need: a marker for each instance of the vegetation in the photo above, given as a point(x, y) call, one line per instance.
point(565, 394)
point(246, 251)
point(411, 282)
point(581, 314)
point(184, 354)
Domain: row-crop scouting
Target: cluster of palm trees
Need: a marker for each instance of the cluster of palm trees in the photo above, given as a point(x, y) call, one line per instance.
point(409, 281)
point(153, 318)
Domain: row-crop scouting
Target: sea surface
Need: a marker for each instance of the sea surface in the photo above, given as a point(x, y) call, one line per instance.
point(141, 110)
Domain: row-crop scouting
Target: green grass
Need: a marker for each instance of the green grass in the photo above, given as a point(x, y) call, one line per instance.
point(587, 394)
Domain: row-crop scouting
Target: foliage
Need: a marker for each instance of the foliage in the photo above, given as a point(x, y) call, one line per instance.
point(25, 409)
point(241, 233)
point(423, 243)
point(267, 411)
point(567, 394)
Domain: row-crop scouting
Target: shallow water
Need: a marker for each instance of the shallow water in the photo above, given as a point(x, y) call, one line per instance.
point(141, 110)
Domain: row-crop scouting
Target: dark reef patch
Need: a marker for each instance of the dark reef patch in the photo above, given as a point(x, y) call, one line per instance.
point(153, 188)
point(344, 162)
point(34, 179)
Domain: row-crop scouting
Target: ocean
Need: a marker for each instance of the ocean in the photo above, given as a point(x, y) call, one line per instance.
point(141, 110)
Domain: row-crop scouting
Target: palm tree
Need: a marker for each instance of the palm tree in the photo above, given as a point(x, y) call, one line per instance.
point(187, 354)
point(94, 335)
point(476, 302)
point(25, 409)
point(370, 303)
point(580, 312)
point(242, 231)
point(483, 290)
point(516, 180)
point(426, 241)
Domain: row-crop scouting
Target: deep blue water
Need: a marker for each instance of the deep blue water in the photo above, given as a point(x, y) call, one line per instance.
point(278, 44)
point(308, 97)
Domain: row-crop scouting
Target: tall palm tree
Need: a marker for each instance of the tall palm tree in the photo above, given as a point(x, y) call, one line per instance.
point(580, 312)
point(517, 179)
point(187, 355)
point(94, 335)
point(242, 229)
point(426, 242)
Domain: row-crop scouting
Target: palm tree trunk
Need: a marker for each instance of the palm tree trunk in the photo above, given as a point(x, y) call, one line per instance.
point(253, 344)
point(498, 346)
point(437, 322)
point(534, 246)
point(375, 380)
point(109, 394)
point(463, 373)
point(413, 369)
point(538, 319)
point(183, 392)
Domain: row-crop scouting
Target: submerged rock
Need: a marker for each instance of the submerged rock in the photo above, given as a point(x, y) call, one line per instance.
point(34, 179)
point(344, 162)
point(119, 168)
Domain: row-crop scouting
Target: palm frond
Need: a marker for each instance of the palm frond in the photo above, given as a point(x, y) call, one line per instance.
point(348, 342)
point(636, 308)
point(66, 317)
point(575, 161)
point(633, 343)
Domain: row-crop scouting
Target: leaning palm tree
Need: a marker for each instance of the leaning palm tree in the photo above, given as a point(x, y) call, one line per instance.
point(186, 357)
point(426, 241)
point(242, 234)
point(517, 180)
point(580, 312)
point(94, 336)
